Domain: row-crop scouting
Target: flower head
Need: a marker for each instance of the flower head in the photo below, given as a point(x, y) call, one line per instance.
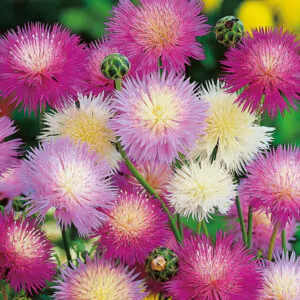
point(135, 226)
point(40, 65)
point(200, 188)
point(98, 279)
point(158, 116)
point(8, 149)
point(270, 72)
point(281, 279)
point(272, 185)
point(70, 178)
point(231, 129)
point(90, 123)
point(165, 29)
point(25, 254)
point(222, 271)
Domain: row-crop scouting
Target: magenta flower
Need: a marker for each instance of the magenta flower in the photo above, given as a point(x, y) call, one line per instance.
point(8, 149)
point(41, 65)
point(136, 225)
point(267, 66)
point(25, 254)
point(273, 185)
point(158, 28)
point(69, 177)
point(224, 271)
point(158, 116)
point(98, 279)
point(281, 278)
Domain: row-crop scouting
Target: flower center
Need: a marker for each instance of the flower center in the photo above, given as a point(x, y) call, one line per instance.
point(158, 110)
point(159, 263)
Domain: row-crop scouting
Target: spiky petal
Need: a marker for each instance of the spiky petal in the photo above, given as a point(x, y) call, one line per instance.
point(281, 278)
point(199, 188)
point(234, 132)
point(158, 116)
point(135, 226)
point(40, 65)
point(165, 29)
point(87, 122)
point(8, 149)
point(272, 185)
point(98, 279)
point(224, 271)
point(267, 63)
point(70, 178)
point(25, 254)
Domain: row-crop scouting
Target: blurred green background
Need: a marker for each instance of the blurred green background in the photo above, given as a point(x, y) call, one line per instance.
point(87, 17)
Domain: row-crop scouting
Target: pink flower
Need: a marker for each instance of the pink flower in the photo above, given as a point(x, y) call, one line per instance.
point(25, 254)
point(158, 28)
point(267, 66)
point(224, 271)
point(41, 65)
point(11, 184)
point(273, 185)
point(69, 177)
point(8, 149)
point(156, 174)
point(262, 230)
point(98, 279)
point(158, 116)
point(136, 225)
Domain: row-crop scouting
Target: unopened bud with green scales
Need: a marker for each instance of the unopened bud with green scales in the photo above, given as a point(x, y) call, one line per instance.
point(162, 264)
point(115, 66)
point(229, 31)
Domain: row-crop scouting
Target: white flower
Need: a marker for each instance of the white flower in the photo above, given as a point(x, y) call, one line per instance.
point(236, 132)
point(281, 279)
point(90, 123)
point(199, 188)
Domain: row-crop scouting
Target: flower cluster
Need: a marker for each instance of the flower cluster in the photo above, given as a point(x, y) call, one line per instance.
point(134, 161)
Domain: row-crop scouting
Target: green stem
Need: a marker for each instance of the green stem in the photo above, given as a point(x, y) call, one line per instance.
point(180, 225)
point(160, 67)
point(204, 228)
point(249, 239)
point(272, 242)
point(283, 240)
point(66, 246)
point(118, 84)
point(150, 190)
point(241, 219)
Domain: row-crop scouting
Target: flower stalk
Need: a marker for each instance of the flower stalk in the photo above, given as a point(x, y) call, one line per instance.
point(272, 242)
point(241, 220)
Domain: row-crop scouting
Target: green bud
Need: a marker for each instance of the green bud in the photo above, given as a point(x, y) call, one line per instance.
point(229, 31)
point(115, 66)
point(162, 264)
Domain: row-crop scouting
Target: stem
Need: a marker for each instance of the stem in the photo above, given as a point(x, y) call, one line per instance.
point(204, 228)
point(66, 246)
point(283, 241)
point(180, 225)
point(198, 228)
point(250, 227)
point(118, 84)
point(241, 219)
point(160, 67)
point(149, 189)
point(272, 242)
